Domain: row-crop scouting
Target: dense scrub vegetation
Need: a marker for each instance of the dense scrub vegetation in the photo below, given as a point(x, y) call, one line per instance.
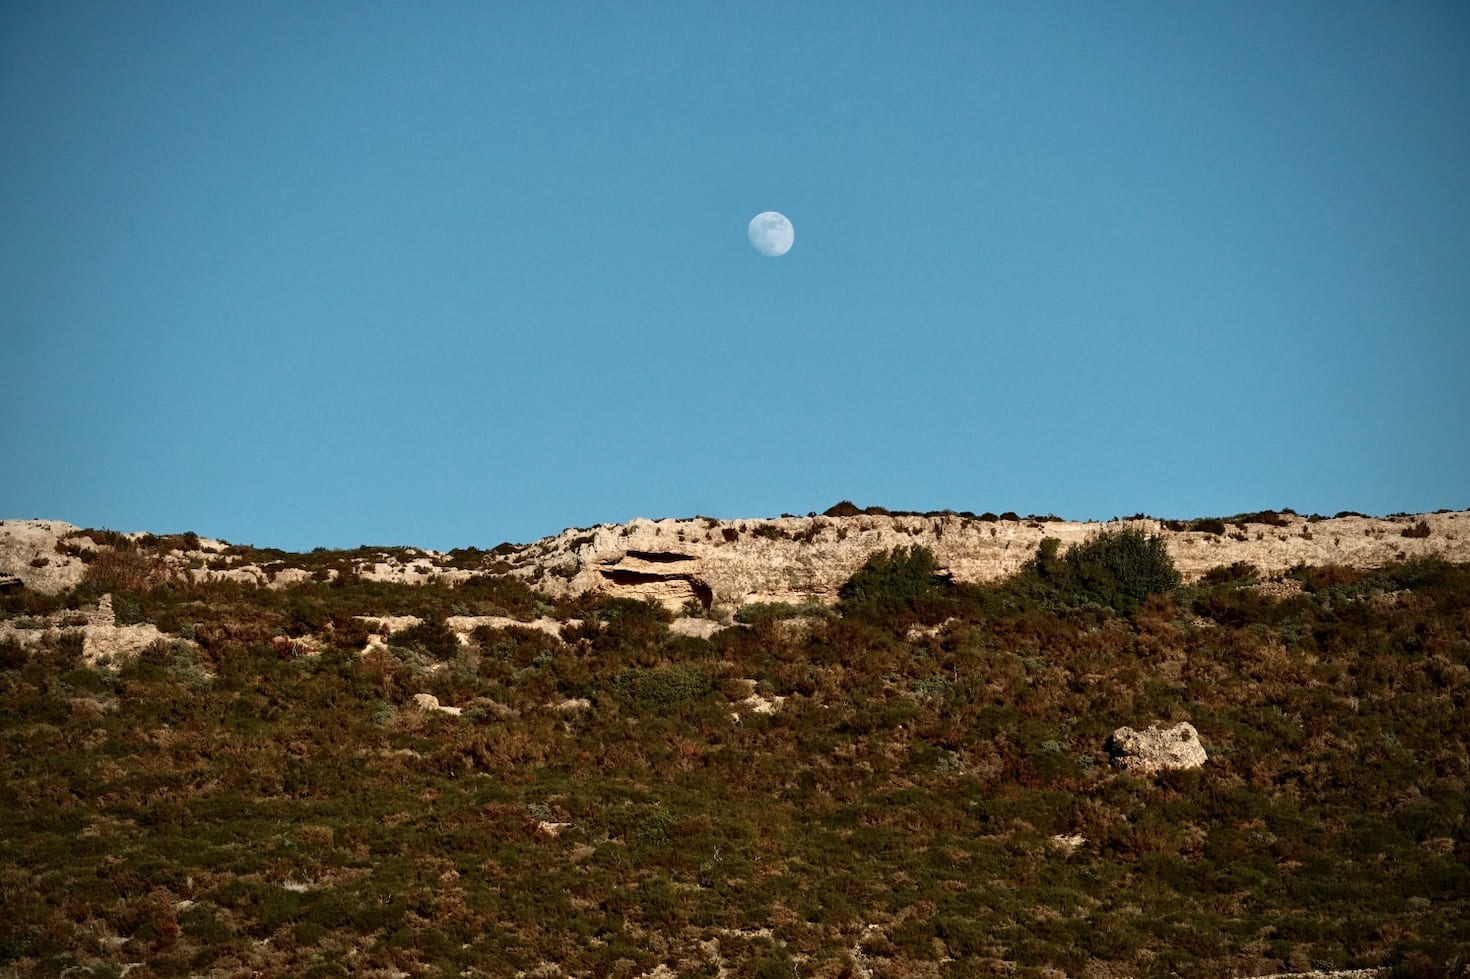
point(932, 797)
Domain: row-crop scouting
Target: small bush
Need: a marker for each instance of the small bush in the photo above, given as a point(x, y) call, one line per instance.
point(12, 654)
point(894, 584)
point(659, 689)
point(127, 611)
point(629, 611)
point(768, 612)
point(1268, 517)
point(1316, 578)
point(499, 593)
point(1225, 574)
point(1420, 530)
point(1117, 569)
point(124, 569)
point(431, 637)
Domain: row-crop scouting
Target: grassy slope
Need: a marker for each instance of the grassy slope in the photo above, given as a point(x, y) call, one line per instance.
point(217, 809)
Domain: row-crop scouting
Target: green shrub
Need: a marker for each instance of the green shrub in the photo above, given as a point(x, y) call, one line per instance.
point(894, 585)
point(499, 594)
point(1268, 517)
point(1117, 569)
point(659, 689)
point(127, 611)
point(430, 637)
point(1240, 572)
point(12, 654)
point(631, 611)
point(768, 612)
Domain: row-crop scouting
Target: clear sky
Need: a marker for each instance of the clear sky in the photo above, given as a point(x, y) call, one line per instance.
point(448, 274)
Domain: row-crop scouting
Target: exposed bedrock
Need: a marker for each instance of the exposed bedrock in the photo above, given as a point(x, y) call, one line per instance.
point(725, 564)
point(729, 563)
point(668, 577)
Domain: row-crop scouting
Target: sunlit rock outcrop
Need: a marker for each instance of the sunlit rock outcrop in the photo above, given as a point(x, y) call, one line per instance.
point(1157, 749)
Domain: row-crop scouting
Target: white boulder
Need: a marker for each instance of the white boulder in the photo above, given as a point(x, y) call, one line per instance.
point(1157, 749)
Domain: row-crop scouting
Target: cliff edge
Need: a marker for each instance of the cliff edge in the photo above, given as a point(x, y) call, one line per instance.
point(729, 563)
point(797, 559)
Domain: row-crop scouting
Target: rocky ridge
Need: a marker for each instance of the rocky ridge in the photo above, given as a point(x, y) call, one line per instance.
point(729, 563)
point(707, 564)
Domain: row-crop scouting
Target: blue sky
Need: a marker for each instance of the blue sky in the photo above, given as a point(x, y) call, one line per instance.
point(449, 274)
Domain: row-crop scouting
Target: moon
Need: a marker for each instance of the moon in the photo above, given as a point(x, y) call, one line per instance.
point(771, 234)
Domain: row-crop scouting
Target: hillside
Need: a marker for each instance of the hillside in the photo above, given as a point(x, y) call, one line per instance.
point(218, 760)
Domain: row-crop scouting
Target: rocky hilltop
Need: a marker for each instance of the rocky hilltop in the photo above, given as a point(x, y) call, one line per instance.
point(796, 559)
point(728, 563)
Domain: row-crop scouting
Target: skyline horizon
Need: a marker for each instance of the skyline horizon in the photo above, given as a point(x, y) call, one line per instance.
point(867, 510)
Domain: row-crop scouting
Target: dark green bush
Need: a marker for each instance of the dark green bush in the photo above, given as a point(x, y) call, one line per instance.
point(1268, 517)
point(768, 612)
point(1117, 569)
point(631, 611)
point(430, 637)
point(1238, 572)
point(12, 654)
point(499, 594)
point(628, 629)
point(894, 585)
point(659, 689)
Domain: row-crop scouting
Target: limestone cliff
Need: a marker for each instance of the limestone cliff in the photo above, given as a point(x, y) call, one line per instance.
point(729, 563)
point(795, 559)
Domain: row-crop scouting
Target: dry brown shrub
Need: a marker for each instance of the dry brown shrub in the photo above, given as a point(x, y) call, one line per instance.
point(1326, 575)
point(125, 569)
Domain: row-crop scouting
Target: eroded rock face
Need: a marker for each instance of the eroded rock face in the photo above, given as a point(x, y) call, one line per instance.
point(730, 563)
point(788, 559)
point(28, 552)
point(1157, 749)
point(725, 564)
point(672, 578)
